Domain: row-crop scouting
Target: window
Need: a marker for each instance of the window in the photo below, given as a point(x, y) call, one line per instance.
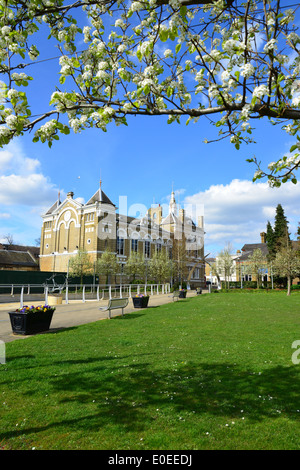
point(134, 245)
point(147, 249)
point(120, 246)
point(196, 273)
point(158, 247)
point(89, 217)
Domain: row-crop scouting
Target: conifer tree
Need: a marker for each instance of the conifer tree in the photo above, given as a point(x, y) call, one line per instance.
point(270, 240)
point(280, 227)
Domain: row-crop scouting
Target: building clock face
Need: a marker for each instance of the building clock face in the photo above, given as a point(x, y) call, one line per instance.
point(67, 216)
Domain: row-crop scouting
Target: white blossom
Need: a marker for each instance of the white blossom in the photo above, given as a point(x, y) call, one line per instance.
point(136, 6)
point(168, 53)
point(225, 75)
point(271, 45)
point(11, 121)
point(296, 100)
point(247, 70)
point(260, 91)
point(12, 93)
point(102, 75)
point(120, 23)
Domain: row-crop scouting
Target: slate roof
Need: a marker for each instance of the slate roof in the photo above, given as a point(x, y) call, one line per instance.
point(248, 249)
point(53, 207)
point(171, 219)
point(33, 250)
point(17, 258)
point(100, 196)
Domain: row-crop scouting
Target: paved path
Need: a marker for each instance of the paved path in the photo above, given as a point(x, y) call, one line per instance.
point(75, 313)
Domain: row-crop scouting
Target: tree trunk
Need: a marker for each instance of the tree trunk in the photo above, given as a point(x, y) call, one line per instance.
point(289, 285)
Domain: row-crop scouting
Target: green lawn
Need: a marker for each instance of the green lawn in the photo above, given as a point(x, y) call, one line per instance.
point(210, 372)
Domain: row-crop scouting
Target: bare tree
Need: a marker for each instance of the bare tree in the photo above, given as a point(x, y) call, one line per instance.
point(257, 263)
point(9, 239)
point(224, 265)
point(287, 263)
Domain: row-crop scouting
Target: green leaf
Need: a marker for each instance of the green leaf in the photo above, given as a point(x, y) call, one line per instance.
point(177, 48)
point(237, 74)
point(169, 91)
point(163, 35)
point(183, 11)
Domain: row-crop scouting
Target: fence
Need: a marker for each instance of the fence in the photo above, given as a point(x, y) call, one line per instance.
point(25, 293)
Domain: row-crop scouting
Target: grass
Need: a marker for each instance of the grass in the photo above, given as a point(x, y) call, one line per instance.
point(210, 372)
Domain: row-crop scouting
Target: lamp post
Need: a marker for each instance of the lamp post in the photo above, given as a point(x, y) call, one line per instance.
point(241, 276)
point(94, 276)
point(53, 253)
point(272, 276)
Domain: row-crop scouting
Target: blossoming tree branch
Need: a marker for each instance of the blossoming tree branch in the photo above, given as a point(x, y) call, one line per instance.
point(231, 62)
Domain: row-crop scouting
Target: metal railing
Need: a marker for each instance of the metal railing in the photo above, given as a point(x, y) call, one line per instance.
point(76, 292)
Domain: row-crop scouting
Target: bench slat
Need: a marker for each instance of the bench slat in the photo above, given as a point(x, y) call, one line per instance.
point(114, 304)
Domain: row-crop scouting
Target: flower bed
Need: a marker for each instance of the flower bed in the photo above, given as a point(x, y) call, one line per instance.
point(140, 301)
point(30, 320)
point(182, 293)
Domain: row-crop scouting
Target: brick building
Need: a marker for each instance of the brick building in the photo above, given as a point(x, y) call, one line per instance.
point(96, 226)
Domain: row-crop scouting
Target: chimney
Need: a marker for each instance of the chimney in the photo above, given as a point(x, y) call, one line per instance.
point(70, 195)
point(263, 237)
point(201, 221)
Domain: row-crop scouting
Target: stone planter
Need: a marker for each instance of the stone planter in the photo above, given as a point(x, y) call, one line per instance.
point(30, 323)
point(140, 302)
point(55, 299)
point(182, 294)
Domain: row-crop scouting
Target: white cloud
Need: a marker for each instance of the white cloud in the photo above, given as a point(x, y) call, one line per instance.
point(21, 180)
point(5, 160)
point(25, 193)
point(238, 212)
point(80, 199)
point(31, 190)
point(13, 160)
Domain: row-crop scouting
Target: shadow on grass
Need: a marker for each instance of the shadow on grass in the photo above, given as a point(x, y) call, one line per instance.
point(128, 316)
point(127, 395)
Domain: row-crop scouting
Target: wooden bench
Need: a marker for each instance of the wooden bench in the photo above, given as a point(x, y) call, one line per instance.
point(114, 304)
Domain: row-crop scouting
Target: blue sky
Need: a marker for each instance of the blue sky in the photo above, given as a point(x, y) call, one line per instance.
point(142, 161)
